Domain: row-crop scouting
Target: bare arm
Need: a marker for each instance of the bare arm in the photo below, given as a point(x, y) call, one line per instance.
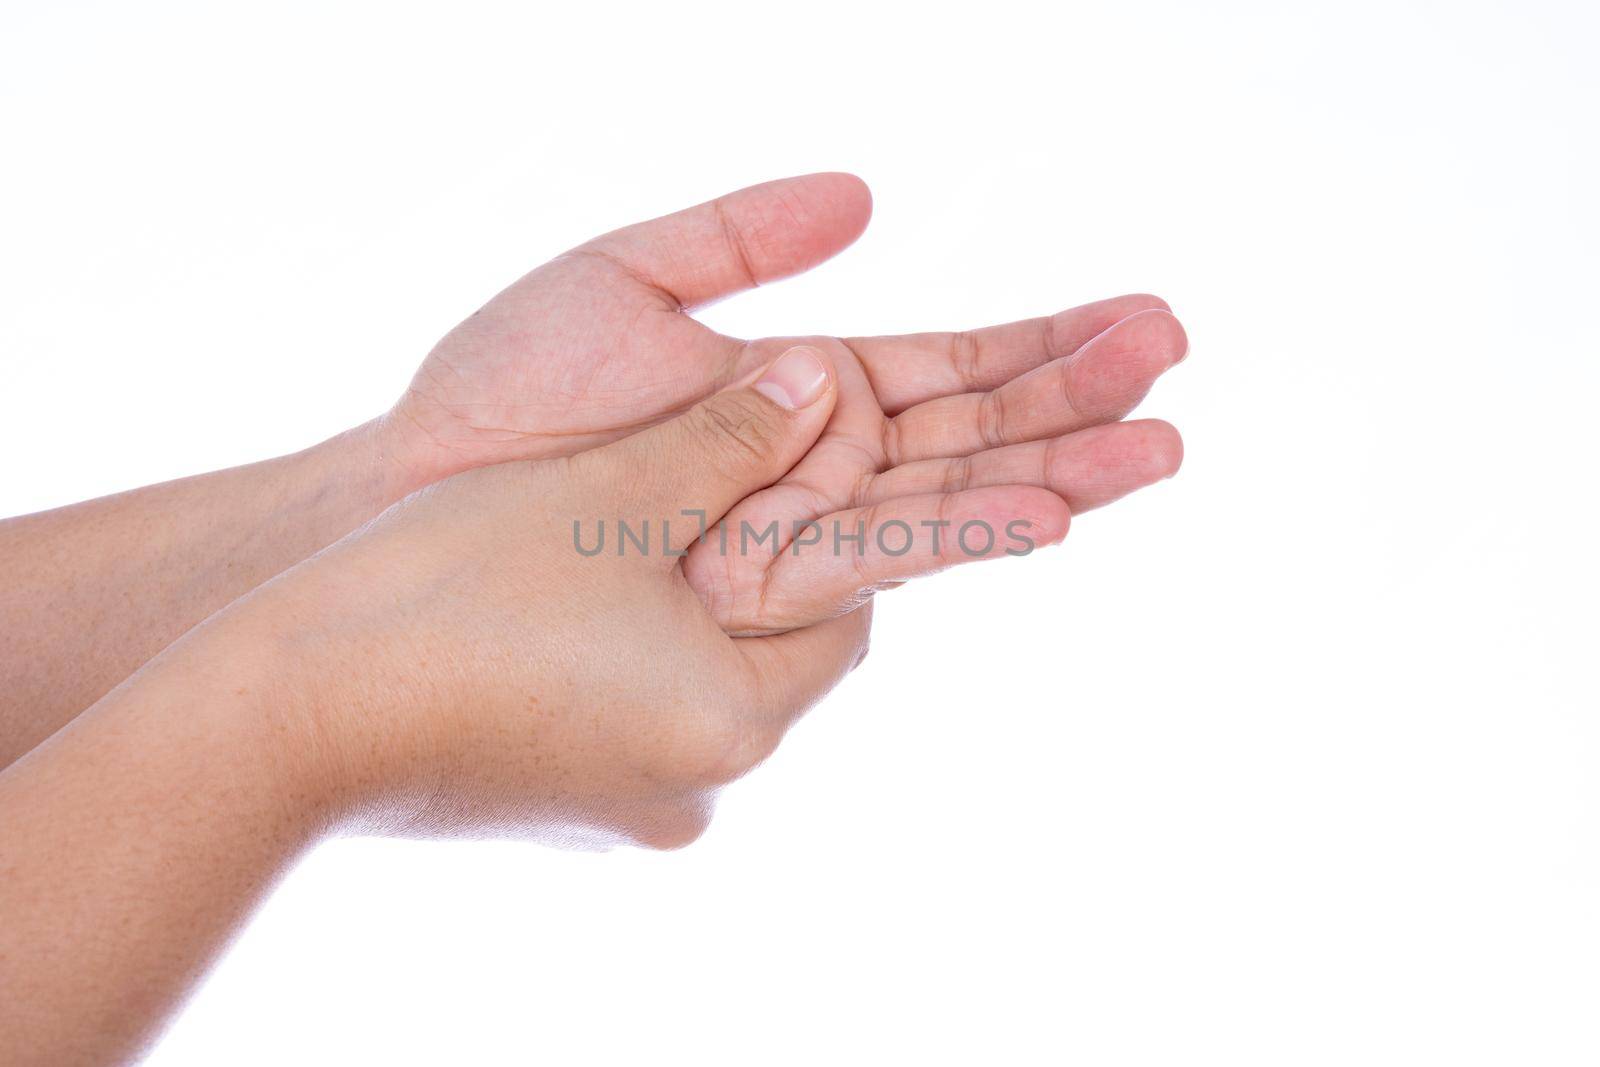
point(133, 842)
point(90, 592)
point(429, 674)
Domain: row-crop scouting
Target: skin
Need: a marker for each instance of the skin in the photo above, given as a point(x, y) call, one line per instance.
point(937, 464)
point(583, 350)
point(454, 666)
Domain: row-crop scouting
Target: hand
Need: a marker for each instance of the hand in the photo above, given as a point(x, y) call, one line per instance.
point(597, 344)
point(460, 667)
point(993, 412)
point(582, 351)
point(457, 666)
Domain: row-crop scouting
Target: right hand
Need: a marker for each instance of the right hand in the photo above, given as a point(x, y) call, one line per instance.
point(458, 666)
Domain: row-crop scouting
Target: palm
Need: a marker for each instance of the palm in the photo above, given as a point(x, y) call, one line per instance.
point(573, 355)
point(596, 343)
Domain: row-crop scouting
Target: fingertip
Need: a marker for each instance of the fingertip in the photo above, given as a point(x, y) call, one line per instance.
point(1159, 447)
point(848, 189)
point(1137, 302)
point(854, 198)
point(1159, 332)
point(1114, 309)
point(1172, 451)
point(1044, 515)
point(837, 205)
point(1053, 516)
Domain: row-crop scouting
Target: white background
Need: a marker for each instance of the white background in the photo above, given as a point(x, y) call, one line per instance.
point(1293, 759)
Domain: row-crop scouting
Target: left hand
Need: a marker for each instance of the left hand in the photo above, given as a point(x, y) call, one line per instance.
point(997, 414)
point(598, 342)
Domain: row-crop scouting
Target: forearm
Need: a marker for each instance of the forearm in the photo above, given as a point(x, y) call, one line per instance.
point(134, 841)
point(90, 592)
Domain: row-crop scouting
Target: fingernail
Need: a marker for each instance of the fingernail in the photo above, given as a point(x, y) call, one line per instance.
point(797, 378)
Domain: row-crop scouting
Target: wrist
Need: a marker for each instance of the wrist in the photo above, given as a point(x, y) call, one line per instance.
point(378, 462)
point(334, 692)
point(137, 838)
point(206, 725)
point(248, 715)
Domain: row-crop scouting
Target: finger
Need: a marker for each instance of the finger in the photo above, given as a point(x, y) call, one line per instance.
point(1087, 469)
point(796, 669)
point(841, 559)
point(741, 240)
point(721, 450)
point(1101, 382)
point(912, 368)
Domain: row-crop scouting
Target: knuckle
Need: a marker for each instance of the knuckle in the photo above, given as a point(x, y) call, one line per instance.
point(891, 444)
point(966, 359)
point(739, 239)
point(721, 752)
point(738, 428)
point(716, 744)
point(673, 825)
point(992, 419)
point(958, 474)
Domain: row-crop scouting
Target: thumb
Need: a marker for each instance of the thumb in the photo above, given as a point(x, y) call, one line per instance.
point(743, 239)
point(728, 446)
